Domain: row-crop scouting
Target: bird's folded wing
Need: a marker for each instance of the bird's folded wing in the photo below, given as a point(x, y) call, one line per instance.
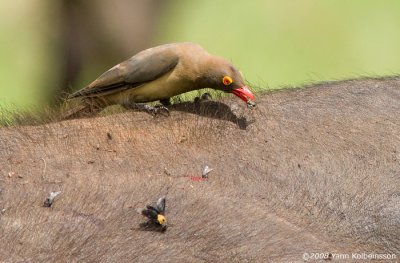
point(146, 66)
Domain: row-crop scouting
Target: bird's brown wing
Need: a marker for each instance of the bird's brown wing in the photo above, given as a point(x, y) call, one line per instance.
point(146, 66)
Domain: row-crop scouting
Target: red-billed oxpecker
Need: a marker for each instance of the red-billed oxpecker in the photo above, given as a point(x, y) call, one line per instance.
point(159, 73)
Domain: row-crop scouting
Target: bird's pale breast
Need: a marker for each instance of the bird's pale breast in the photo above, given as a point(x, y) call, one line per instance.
point(164, 87)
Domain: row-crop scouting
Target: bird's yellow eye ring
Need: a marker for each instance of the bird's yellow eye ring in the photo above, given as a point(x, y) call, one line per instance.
point(227, 80)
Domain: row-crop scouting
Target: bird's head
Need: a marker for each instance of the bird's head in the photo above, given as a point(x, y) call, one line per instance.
point(161, 219)
point(222, 75)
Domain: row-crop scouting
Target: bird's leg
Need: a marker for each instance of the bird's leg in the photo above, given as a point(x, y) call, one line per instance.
point(158, 109)
point(166, 102)
point(204, 97)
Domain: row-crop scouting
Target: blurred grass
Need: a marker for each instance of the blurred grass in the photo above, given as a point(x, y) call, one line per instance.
point(274, 43)
point(285, 43)
point(26, 65)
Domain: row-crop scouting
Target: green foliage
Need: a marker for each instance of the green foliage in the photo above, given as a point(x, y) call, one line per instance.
point(274, 43)
point(13, 116)
point(287, 43)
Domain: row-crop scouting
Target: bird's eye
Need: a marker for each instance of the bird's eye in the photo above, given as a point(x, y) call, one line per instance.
point(227, 80)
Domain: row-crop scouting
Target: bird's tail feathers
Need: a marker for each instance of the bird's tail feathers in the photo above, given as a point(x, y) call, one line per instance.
point(79, 108)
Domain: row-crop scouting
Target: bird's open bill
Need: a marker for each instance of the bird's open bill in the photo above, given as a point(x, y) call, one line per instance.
point(244, 93)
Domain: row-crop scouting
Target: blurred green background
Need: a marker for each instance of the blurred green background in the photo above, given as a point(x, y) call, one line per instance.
point(48, 48)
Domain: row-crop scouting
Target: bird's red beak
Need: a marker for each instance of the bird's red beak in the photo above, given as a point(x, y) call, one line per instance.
point(244, 93)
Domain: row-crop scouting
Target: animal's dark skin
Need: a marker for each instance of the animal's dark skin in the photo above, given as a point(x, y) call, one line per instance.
point(258, 206)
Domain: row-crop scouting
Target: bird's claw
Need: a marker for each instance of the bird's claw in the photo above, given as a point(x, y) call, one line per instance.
point(251, 104)
point(158, 110)
point(204, 97)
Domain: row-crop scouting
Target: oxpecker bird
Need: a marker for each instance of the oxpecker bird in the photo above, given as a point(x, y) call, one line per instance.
point(159, 73)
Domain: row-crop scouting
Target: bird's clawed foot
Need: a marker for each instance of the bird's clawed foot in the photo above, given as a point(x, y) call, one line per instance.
point(157, 110)
point(204, 97)
point(251, 104)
